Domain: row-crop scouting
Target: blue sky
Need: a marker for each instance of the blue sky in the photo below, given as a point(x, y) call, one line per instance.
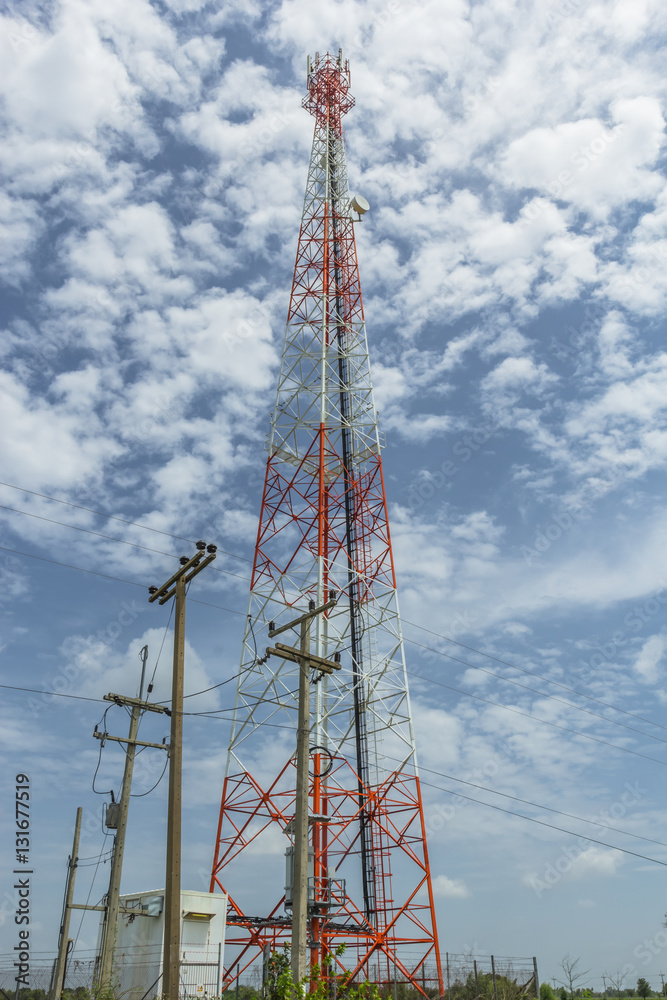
point(154, 158)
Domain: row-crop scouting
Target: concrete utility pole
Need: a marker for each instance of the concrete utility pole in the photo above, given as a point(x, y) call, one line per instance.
point(69, 895)
point(113, 897)
point(176, 586)
point(306, 661)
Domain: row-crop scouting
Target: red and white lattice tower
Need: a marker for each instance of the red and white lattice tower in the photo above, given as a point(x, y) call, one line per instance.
point(323, 526)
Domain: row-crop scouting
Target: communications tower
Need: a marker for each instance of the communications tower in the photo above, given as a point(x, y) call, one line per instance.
point(323, 527)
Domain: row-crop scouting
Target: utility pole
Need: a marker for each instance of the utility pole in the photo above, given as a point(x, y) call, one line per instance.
point(306, 661)
point(69, 895)
point(113, 897)
point(176, 587)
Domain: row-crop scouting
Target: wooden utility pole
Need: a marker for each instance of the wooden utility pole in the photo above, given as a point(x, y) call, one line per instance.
point(176, 587)
point(113, 897)
point(306, 661)
point(69, 895)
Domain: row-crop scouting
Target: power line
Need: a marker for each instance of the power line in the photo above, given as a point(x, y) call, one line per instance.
point(536, 805)
point(524, 687)
point(423, 628)
point(113, 538)
point(533, 673)
point(51, 694)
point(217, 713)
point(107, 576)
point(114, 517)
point(490, 805)
point(140, 795)
point(466, 694)
point(164, 636)
point(414, 642)
point(212, 688)
point(526, 715)
point(540, 822)
point(439, 635)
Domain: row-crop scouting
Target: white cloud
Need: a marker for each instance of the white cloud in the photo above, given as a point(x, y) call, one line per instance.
point(647, 663)
point(592, 165)
point(595, 861)
point(48, 444)
point(518, 373)
point(94, 661)
point(20, 227)
point(449, 888)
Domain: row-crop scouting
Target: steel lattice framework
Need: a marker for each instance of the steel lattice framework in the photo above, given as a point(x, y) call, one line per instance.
point(323, 526)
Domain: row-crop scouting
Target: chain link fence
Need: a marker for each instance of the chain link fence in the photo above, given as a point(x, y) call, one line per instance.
point(137, 976)
point(490, 977)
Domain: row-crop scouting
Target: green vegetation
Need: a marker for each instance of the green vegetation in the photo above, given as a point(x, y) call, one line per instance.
point(506, 989)
point(320, 985)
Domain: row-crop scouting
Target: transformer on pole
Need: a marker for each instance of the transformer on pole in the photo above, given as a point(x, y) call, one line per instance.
point(323, 527)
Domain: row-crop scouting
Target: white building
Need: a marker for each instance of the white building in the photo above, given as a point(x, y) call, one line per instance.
point(137, 965)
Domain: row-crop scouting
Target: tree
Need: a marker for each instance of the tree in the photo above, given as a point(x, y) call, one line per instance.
point(615, 981)
point(643, 988)
point(546, 993)
point(572, 974)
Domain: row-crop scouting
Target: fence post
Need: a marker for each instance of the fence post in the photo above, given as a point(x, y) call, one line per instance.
point(218, 981)
point(493, 971)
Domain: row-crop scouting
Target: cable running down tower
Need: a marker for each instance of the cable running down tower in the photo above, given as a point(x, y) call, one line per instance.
point(323, 526)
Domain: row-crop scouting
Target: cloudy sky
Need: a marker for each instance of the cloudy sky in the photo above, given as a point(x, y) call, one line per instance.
point(154, 157)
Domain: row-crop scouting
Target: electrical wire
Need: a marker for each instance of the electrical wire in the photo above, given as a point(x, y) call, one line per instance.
point(486, 701)
point(99, 761)
point(107, 576)
point(533, 673)
point(466, 694)
point(140, 795)
point(540, 822)
point(490, 805)
point(414, 642)
point(423, 628)
point(212, 687)
point(51, 694)
point(114, 517)
point(113, 538)
point(525, 687)
point(216, 716)
point(535, 805)
point(215, 713)
point(164, 636)
point(103, 858)
point(254, 640)
point(526, 715)
point(430, 649)
point(525, 670)
point(92, 883)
